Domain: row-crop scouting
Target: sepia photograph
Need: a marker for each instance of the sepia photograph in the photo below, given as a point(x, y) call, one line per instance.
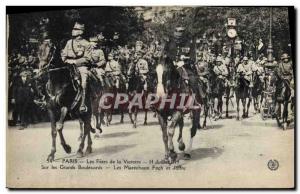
point(150, 97)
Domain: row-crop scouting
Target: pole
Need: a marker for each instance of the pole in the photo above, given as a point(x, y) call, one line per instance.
point(270, 46)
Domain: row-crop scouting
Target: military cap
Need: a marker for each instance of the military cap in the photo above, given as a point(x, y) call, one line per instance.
point(24, 73)
point(245, 58)
point(78, 26)
point(285, 56)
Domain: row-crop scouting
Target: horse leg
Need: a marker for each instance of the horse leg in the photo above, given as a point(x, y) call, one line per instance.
point(244, 107)
point(98, 125)
point(122, 116)
point(193, 131)
point(220, 108)
point(215, 108)
point(227, 104)
point(285, 115)
point(59, 128)
point(181, 145)
point(248, 106)
point(135, 117)
point(89, 146)
point(81, 129)
point(205, 115)
point(238, 108)
point(145, 119)
point(171, 131)
point(163, 124)
point(53, 135)
point(60, 123)
point(81, 145)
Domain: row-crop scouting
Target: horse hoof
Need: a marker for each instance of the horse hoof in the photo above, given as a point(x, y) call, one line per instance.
point(145, 123)
point(88, 150)
point(93, 130)
point(134, 125)
point(80, 154)
point(50, 158)
point(172, 157)
point(284, 126)
point(237, 118)
point(67, 148)
point(181, 146)
point(187, 156)
point(121, 121)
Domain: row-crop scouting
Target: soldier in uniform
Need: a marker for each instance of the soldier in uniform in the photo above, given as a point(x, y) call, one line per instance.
point(246, 70)
point(285, 69)
point(78, 52)
point(98, 60)
point(142, 68)
point(220, 69)
point(203, 73)
point(285, 72)
point(113, 70)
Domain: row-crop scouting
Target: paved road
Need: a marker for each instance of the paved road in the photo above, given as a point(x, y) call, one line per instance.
point(229, 153)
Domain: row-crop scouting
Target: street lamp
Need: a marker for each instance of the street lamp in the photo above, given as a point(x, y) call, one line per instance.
point(270, 46)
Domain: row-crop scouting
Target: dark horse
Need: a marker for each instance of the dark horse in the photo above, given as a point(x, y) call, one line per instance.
point(282, 99)
point(257, 91)
point(62, 98)
point(218, 91)
point(142, 86)
point(242, 92)
point(169, 82)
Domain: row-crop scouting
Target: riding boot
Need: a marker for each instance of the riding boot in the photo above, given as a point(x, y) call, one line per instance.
point(83, 107)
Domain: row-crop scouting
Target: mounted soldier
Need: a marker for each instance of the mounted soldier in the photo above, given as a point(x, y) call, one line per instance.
point(203, 73)
point(98, 60)
point(245, 69)
point(113, 71)
point(142, 68)
point(77, 53)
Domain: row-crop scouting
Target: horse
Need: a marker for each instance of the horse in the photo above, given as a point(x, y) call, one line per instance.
point(257, 91)
point(229, 86)
point(168, 83)
point(242, 92)
point(63, 97)
point(139, 85)
point(282, 99)
point(218, 91)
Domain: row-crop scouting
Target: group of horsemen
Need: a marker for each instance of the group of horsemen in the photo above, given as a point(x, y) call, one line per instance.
point(92, 65)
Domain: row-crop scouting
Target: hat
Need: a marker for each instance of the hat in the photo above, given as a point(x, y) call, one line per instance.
point(245, 59)
point(219, 59)
point(78, 26)
point(285, 56)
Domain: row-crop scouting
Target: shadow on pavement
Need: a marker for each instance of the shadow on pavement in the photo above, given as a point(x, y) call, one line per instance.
point(118, 134)
point(111, 149)
point(202, 153)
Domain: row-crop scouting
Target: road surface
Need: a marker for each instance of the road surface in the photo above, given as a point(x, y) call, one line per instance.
point(228, 153)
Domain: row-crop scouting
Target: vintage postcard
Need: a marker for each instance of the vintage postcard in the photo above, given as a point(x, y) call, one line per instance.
point(150, 97)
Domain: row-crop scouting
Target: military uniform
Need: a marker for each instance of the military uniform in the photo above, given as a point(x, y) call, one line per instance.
point(221, 71)
point(203, 73)
point(245, 70)
point(78, 52)
point(98, 61)
point(113, 70)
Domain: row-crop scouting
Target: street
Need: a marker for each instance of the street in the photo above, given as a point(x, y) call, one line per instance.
point(228, 153)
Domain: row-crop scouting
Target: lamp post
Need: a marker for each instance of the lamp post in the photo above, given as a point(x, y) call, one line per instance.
point(270, 46)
